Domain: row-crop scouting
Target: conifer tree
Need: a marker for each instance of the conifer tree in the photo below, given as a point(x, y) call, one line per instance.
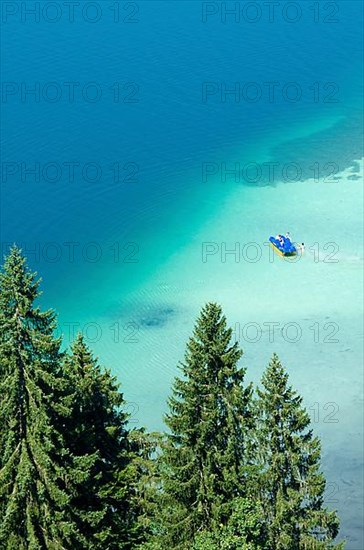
point(292, 484)
point(204, 459)
point(105, 504)
point(34, 493)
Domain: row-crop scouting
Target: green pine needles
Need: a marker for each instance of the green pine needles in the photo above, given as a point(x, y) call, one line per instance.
point(66, 474)
point(292, 485)
point(33, 478)
point(104, 503)
point(236, 470)
point(205, 457)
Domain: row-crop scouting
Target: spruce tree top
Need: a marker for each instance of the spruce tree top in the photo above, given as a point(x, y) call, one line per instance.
point(19, 290)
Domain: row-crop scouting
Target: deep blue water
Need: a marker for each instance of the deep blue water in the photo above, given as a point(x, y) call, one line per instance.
point(160, 131)
point(163, 60)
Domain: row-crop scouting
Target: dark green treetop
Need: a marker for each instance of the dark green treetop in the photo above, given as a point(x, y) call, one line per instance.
point(34, 491)
point(206, 454)
point(104, 505)
point(292, 484)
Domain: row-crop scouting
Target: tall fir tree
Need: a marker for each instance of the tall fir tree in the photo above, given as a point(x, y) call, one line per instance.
point(292, 484)
point(34, 493)
point(205, 455)
point(105, 503)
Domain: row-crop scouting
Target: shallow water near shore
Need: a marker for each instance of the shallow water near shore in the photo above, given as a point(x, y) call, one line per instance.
point(308, 310)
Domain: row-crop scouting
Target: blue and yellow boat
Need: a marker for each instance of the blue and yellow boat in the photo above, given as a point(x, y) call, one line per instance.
point(283, 246)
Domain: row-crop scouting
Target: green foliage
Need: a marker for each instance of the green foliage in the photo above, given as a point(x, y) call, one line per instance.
point(33, 479)
point(245, 530)
point(292, 484)
point(204, 463)
point(146, 448)
point(68, 470)
point(104, 504)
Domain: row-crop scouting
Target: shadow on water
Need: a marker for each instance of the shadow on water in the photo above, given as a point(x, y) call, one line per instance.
point(322, 155)
point(157, 317)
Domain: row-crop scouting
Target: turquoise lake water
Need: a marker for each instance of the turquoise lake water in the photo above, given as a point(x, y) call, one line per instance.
point(129, 217)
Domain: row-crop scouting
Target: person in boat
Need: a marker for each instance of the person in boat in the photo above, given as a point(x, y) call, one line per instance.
point(288, 236)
